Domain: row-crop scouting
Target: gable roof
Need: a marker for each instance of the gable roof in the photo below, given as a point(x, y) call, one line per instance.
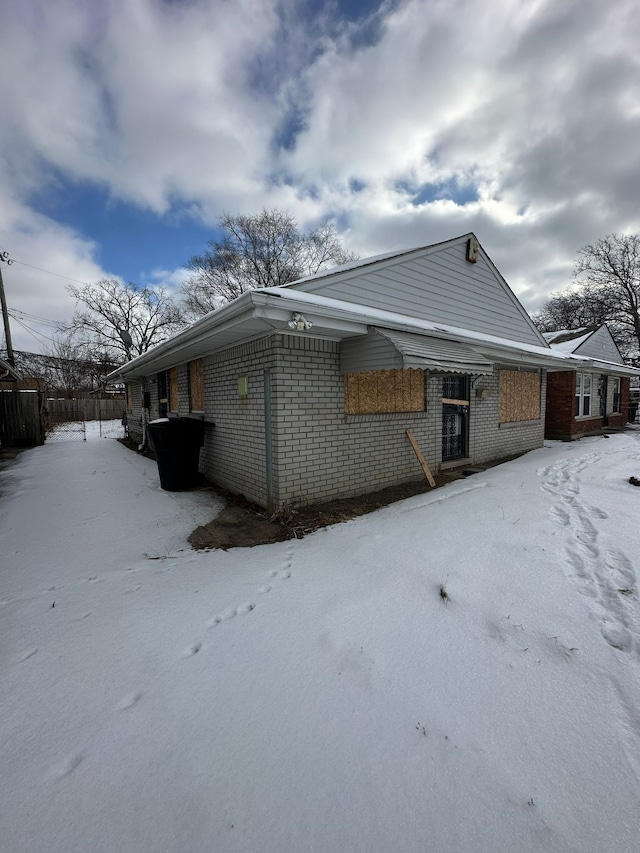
point(262, 312)
point(436, 282)
point(590, 341)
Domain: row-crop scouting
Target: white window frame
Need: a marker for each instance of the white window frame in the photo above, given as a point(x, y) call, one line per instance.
point(584, 395)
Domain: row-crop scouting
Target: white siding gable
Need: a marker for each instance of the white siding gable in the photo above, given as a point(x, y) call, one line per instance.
point(434, 283)
point(600, 345)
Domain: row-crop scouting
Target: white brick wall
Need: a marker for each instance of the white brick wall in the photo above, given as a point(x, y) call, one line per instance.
point(318, 452)
point(490, 440)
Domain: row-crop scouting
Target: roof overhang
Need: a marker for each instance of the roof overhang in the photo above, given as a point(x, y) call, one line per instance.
point(258, 313)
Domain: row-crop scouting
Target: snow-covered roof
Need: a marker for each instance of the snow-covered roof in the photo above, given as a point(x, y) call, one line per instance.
point(570, 345)
point(565, 334)
point(261, 312)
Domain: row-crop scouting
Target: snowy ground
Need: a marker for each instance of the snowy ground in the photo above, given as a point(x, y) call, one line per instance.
point(321, 694)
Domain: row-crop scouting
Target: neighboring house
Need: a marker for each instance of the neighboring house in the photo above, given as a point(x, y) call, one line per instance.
point(592, 397)
point(313, 386)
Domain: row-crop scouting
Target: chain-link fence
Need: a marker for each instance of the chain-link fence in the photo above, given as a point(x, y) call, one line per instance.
point(70, 426)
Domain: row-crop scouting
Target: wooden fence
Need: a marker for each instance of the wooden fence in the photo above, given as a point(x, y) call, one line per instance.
point(61, 410)
point(20, 418)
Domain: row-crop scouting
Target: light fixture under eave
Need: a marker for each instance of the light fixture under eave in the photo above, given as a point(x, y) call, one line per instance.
point(298, 323)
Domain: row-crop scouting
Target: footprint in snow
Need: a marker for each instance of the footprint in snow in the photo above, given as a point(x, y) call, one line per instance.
point(67, 765)
point(129, 701)
point(192, 650)
point(84, 615)
point(222, 617)
point(29, 653)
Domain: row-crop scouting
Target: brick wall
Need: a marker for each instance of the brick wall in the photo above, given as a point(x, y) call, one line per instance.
point(488, 438)
point(318, 452)
point(323, 453)
point(561, 422)
point(234, 454)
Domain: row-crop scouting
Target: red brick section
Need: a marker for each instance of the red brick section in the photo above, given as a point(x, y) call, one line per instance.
point(561, 391)
point(623, 417)
point(560, 421)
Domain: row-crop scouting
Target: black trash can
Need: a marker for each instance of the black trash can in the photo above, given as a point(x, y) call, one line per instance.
point(176, 443)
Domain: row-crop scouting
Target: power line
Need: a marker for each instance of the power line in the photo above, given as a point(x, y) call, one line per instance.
point(31, 331)
point(49, 272)
point(34, 317)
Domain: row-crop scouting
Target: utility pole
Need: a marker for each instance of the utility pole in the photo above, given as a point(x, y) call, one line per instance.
point(4, 256)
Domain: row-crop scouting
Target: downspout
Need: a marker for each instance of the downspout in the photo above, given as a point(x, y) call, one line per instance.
point(145, 413)
point(268, 438)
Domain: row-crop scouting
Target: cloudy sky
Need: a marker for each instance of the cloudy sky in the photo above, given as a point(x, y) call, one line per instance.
point(129, 126)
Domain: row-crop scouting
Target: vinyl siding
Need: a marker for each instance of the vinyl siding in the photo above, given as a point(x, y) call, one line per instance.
point(600, 345)
point(437, 285)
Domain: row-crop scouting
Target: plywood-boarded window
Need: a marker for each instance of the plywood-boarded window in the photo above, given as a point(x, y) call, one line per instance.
point(519, 396)
point(173, 389)
point(381, 391)
point(196, 386)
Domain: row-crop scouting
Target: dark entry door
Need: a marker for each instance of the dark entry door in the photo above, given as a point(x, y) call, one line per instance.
point(455, 417)
point(604, 387)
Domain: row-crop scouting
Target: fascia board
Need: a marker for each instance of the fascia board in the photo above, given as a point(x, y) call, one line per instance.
point(608, 367)
point(198, 333)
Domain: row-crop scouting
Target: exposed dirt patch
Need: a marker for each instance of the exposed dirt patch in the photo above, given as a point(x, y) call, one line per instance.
point(242, 524)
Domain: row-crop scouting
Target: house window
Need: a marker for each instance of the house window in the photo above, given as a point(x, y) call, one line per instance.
point(173, 389)
point(616, 395)
point(382, 391)
point(583, 395)
point(129, 397)
point(519, 396)
point(196, 386)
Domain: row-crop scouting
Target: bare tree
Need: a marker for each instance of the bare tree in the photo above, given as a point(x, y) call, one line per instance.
point(570, 309)
point(267, 249)
point(606, 290)
point(609, 271)
point(122, 320)
point(68, 366)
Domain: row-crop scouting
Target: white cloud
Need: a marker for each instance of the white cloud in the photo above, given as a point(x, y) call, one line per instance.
point(530, 105)
point(37, 241)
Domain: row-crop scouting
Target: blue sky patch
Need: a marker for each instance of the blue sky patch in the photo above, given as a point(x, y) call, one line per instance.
point(453, 190)
point(131, 241)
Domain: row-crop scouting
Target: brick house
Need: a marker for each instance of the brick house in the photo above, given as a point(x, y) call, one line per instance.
point(313, 386)
point(593, 397)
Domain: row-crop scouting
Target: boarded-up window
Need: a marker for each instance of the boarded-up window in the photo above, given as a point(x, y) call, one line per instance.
point(196, 386)
point(379, 391)
point(173, 389)
point(519, 396)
